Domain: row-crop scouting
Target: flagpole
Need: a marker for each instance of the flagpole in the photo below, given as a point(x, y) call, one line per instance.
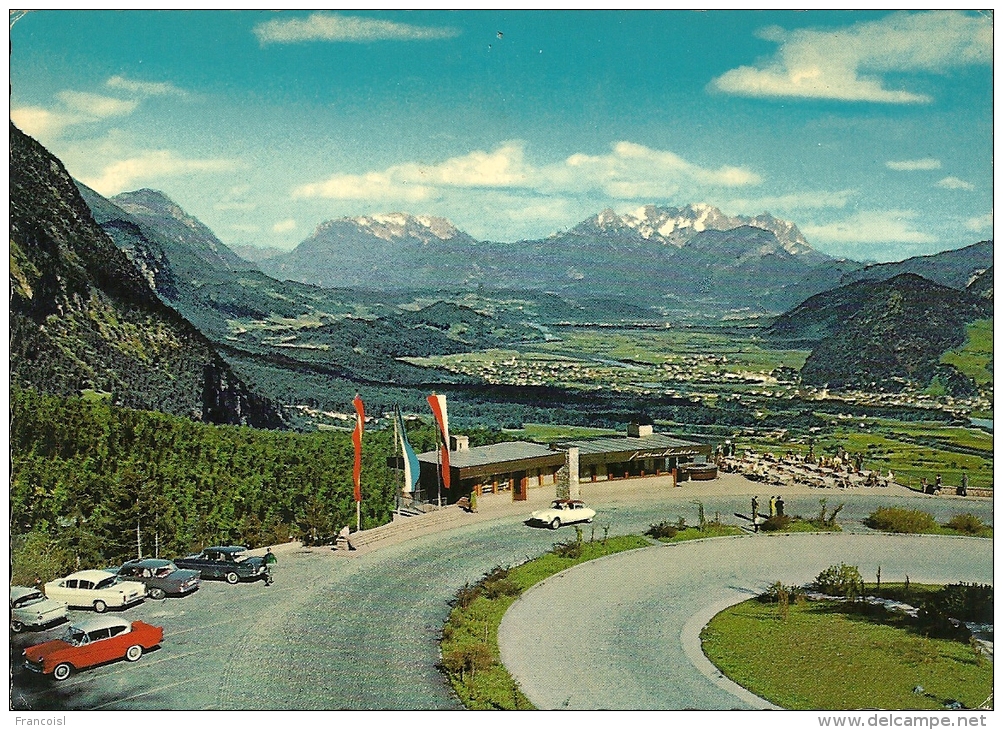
point(400, 495)
point(438, 475)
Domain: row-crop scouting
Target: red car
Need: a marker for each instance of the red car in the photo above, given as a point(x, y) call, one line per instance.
point(92, 641)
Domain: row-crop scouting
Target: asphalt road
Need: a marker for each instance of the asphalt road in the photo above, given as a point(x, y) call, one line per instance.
point(622, 633)
point(351, 632)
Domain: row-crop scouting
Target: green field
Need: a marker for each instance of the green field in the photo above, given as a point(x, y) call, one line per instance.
point(974, 358)
point(821, 658)
point(739, 388)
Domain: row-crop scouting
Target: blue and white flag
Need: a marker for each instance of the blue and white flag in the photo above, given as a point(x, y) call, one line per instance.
point(412, 469)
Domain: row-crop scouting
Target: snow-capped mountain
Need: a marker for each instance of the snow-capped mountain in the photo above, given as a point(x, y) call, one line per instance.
point(376, 251)
point(403, 225)
point(676, 226)
point(654, 253)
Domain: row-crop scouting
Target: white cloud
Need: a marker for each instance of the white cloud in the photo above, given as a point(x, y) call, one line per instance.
point(927, 163)
point(332, 27)
point(874, 226)
point(631, 171)
point(39, 122)
point(980, 223)
point(847, 63)
point(96, 105)
point(955, 183)
point(145, 88)
point(148, 167)
point(284, 226)
point(375, 186)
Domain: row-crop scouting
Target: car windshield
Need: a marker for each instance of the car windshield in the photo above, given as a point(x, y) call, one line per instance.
point(107, 582)
point(74, 636)
point(163, 572)
point(29, 599)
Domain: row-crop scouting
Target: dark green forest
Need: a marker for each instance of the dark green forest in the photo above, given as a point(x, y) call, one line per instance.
point(85, 474)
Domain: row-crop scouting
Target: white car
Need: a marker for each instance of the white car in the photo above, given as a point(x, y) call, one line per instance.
point(29, 608)
point(95, 589)
point(563, 512)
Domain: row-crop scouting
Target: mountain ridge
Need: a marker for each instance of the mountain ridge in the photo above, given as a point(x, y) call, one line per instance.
point(83, 317)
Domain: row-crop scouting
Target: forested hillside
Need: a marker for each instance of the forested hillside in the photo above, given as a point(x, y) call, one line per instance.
point(84, 473)
point(83, 318)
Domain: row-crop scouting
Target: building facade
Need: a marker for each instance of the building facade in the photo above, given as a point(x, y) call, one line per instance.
point(518, 466)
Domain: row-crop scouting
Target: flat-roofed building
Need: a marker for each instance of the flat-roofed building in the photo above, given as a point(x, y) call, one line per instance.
point(641, 454)
point(518, 466)
point(509, 466)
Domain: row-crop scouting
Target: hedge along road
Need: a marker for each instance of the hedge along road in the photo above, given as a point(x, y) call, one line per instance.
point(622, 632)
point(354, 632)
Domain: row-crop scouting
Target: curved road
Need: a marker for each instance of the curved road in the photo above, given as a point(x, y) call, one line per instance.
point(361, 631)
point(622, 633)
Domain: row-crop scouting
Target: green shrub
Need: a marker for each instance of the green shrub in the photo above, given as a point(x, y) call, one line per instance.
point(662, 530)
point(840, 580)
point(570, 548)
point(898, 519)
point(778, 589)
point(964, 602)
point(775, 523)
point(466, 595)
point(968, 524)
point(37, 556)
point(468, 659)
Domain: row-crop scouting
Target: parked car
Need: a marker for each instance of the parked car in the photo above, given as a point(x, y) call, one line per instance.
point(161, 577)
point(563, 512)
point(29, 608)
point(95, 589)
point(229, 562)
point(92, 641)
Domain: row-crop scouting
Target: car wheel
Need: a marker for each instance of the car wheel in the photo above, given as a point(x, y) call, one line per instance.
point(157, 594)
point(62, 671)
point(232, 578)
point(133, 653)
point(100, 606)
point(555, 523)
point(16, 626)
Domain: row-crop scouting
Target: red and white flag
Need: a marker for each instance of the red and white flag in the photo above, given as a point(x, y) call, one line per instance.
point(360, 418)
point(438, 404)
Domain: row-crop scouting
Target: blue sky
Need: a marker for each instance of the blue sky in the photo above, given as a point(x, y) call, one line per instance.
point(872, 131)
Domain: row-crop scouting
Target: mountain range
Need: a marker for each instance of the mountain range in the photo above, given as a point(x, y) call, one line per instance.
point(83, 317)
point(693, 259)
point(105, 292)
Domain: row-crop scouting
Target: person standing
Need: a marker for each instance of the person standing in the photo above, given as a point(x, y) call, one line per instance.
point(755, 514)
point(270, 561)
point(963, 489)
point(773, 506)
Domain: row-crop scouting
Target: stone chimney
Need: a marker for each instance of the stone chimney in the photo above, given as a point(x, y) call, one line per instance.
point(636, 430)
point(459, 443)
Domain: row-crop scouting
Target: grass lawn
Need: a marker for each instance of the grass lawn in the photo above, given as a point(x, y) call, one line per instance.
point(820, 658)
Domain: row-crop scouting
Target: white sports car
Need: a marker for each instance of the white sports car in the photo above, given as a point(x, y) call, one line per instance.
point(563, 512)
point(95, 589)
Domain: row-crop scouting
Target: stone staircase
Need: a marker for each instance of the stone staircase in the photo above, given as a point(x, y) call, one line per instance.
point(405, 528)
